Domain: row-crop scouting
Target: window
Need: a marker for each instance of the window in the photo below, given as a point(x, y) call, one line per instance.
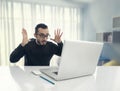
point(16, 15)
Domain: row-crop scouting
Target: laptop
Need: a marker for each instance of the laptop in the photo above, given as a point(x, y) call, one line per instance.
point(78, 58)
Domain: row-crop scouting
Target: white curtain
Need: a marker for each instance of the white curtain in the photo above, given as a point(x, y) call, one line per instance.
point(16, 15)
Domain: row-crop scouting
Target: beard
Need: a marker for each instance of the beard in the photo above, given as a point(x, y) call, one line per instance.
point(41, 42)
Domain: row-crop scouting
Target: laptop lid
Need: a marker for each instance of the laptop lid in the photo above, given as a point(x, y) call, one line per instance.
point(79, 58)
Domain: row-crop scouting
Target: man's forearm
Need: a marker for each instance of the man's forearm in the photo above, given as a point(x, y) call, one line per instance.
point(17, 54)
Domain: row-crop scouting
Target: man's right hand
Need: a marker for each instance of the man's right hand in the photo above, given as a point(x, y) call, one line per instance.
point(25, 37)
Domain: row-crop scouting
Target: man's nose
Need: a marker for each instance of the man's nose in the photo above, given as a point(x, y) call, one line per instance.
point(45, 38)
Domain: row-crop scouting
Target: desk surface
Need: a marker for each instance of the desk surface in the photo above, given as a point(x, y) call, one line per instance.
point(21, 79)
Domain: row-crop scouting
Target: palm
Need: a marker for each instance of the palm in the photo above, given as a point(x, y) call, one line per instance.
point(58, 35)
point(25, 37)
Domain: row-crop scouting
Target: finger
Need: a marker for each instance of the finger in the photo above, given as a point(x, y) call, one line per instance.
point(23, 30)
point(61, 34)
point(58, 31)
point(55, 32)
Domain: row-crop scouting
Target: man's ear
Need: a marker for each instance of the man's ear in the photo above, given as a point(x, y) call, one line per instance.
point(35, 35)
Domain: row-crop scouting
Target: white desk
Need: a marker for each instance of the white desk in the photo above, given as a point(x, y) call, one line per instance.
point(17, 79)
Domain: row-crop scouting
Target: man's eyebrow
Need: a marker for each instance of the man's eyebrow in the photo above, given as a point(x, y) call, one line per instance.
point(43, 33)
point(40, 33)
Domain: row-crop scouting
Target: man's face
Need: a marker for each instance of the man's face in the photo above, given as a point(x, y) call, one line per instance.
point(42, 36)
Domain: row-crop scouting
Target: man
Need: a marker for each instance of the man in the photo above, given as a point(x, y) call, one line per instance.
point(39, 51)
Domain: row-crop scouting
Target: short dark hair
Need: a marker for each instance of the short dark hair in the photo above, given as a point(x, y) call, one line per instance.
point(41, 25)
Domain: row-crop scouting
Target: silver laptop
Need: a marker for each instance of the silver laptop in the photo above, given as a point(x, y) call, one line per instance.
point(79, 58)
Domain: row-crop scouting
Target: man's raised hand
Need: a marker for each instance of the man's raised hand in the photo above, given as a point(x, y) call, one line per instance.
point(57, 34)
point(25, 37)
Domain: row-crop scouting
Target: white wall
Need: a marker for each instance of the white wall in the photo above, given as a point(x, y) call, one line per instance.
point(98, 18)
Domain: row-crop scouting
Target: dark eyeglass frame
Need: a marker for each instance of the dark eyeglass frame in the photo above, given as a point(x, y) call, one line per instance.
point(41, 35)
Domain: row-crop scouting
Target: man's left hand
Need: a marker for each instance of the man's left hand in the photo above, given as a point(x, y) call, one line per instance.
point(58, 35)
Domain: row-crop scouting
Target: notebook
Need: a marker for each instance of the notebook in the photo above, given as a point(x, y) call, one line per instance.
point(78, 58)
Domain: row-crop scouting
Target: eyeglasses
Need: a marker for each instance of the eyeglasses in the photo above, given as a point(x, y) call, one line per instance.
point(43, 35)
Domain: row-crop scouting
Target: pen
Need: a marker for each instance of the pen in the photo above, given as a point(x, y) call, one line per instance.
point(47, 80)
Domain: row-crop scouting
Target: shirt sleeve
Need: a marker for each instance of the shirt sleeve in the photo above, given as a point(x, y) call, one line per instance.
point(58, 48)
point(17, 54)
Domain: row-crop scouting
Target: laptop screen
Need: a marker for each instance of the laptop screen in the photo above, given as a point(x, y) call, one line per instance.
point(79, 58)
